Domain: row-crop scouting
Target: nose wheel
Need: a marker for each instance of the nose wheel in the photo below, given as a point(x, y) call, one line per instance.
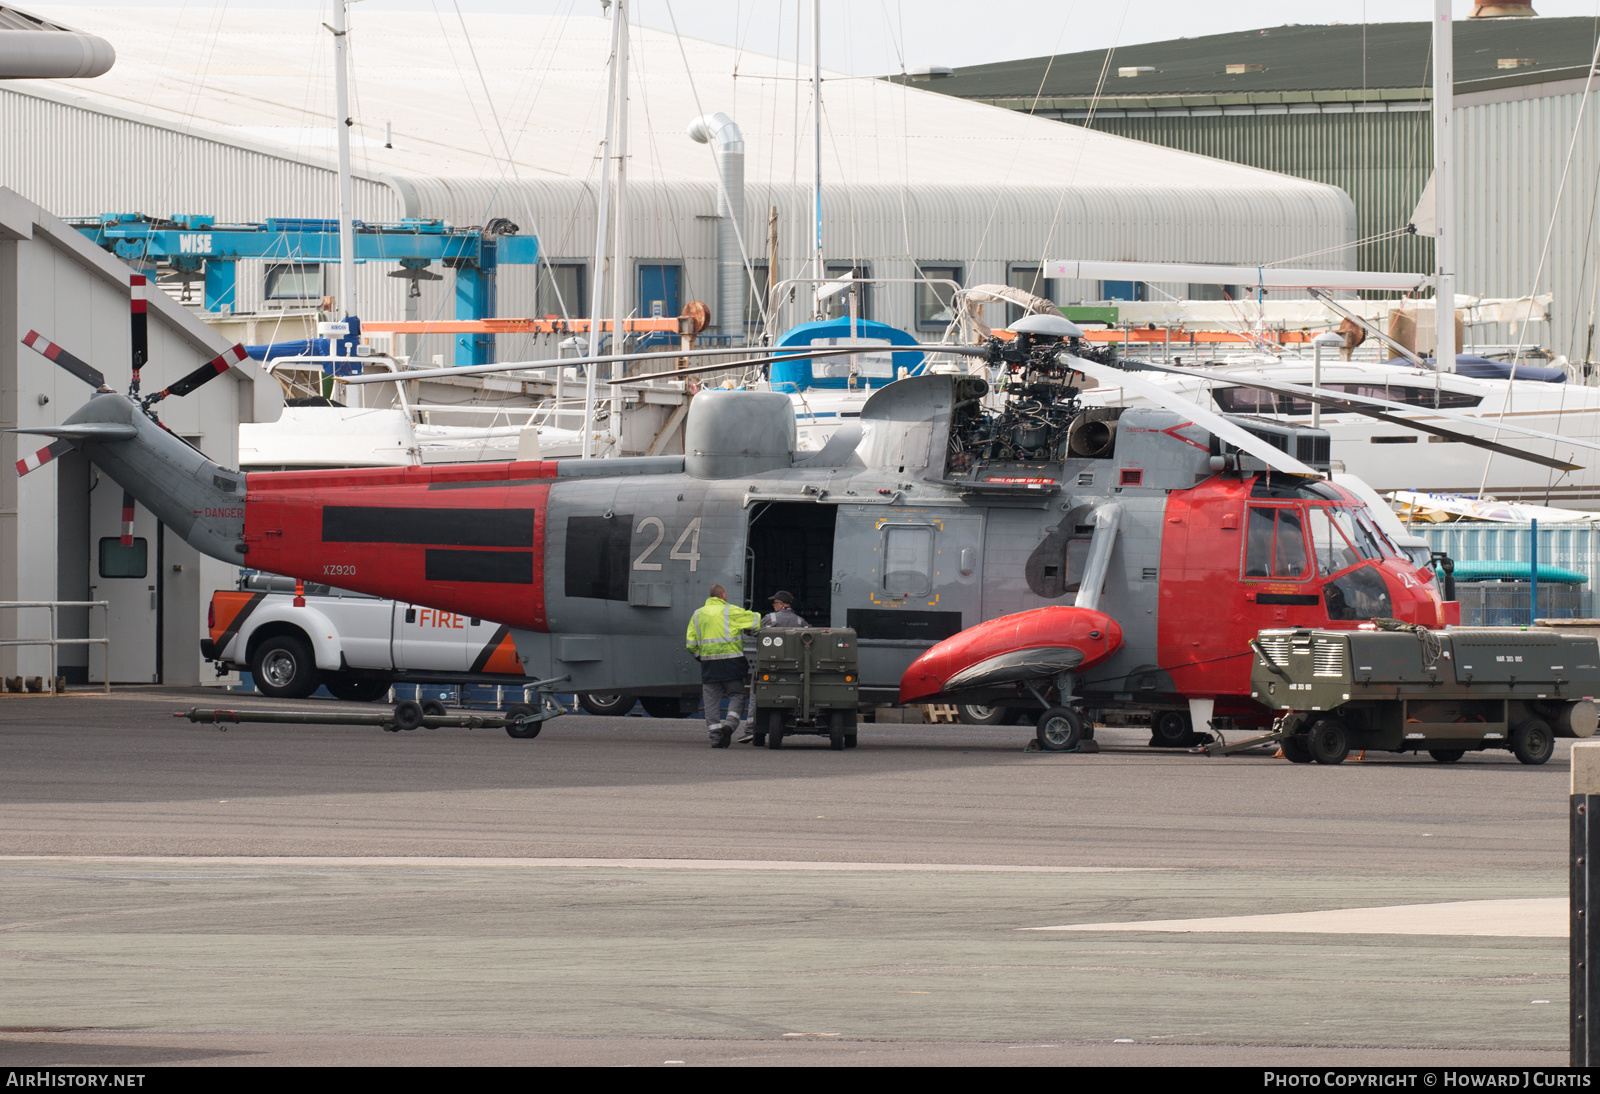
point(1059, 729)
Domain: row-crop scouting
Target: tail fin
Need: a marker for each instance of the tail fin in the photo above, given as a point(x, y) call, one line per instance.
point(199, 500)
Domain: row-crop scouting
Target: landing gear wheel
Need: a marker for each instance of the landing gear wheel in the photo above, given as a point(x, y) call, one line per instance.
point(607, 705)
point(836, 723)
point(407, 715)
point(1059, 729)
point(433, 708)
point(356, 689)
point(1532, 742)
point(1296, 749)
point(775, 729)
point(284, 667)
point(1447, 755)
point(661, 706)
point(1172, 729)
point(974, 714)
point(520, 722)
point(1329, 741)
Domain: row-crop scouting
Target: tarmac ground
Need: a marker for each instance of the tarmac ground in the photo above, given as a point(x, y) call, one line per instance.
point(616, 892)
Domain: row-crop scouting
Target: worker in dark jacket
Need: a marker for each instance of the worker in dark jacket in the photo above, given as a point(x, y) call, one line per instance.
point(783, 613)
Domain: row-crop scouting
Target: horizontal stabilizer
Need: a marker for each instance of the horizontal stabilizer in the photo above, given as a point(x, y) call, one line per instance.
point(85, 431)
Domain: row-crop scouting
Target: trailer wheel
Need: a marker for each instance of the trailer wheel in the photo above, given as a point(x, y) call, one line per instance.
point(836, 726)
point(1532, 742)
point(775, 729)
point(1296, 750)
point(520, 722)
point(1329, 741)
point(433, 708)
point(407, 715)
point(284, 667)
point(1172, 729)
point(607, 704)
point(1059, 729)
point(1447, 755)
point(850, 740)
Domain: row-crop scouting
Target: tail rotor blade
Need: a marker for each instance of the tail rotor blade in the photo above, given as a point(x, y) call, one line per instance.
point(79, 368)
point(207, 372)
point(35, 460)
point(127, 519)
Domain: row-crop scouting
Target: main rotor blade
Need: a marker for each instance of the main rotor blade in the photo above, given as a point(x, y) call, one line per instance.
point(79, 368)
point(1371, 407)
point(1245, 441)
point(201, 376)
point(793, 353)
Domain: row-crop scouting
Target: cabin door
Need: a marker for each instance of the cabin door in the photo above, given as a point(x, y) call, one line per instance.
point(128, 575)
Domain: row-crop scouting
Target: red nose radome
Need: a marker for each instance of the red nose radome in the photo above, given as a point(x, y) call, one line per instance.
point(1025, 646)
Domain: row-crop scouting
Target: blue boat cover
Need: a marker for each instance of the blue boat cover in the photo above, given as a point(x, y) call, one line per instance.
point(1481, 368)
point(316, 347)
point(798, 375)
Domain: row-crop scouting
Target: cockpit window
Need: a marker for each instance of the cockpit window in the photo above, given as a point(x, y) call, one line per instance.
point(1275, 545)
point(1355, 533)
point(1333, 550)
point(1293, 486)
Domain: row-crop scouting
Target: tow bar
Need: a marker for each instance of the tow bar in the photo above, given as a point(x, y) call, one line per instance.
point(520, 721)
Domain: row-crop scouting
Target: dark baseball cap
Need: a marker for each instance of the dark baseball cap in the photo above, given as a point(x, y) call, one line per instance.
point(784, 595)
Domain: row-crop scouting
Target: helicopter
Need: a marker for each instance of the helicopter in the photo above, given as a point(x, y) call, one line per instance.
point(1048, 559)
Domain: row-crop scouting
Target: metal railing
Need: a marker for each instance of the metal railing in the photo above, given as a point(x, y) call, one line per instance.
point(55, 641)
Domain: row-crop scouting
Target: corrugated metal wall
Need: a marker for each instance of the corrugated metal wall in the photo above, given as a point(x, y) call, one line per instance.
point(77, 162)
point(1381, 159)
point(1511, 156)
point(1507, 603)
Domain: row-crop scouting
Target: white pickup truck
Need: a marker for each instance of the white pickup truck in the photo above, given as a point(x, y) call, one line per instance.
point(355, 645)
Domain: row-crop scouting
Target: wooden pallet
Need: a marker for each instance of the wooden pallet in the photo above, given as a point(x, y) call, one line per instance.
point(939, 714)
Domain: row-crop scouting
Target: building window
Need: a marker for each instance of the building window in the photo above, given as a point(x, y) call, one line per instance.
point(658, 289)
point(1028, 279)
point(119, 561)
point(935, 299)
point(294, 281)
point(755, 293)
point(561, 283)
point(839, 303)
point(1122, 290)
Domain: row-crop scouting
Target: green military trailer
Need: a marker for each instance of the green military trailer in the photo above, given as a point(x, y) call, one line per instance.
point(1399, 688)
point(806, 681)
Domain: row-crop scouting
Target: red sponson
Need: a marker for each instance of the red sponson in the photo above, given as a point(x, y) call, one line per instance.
point(466, 538)
point(1094, 634)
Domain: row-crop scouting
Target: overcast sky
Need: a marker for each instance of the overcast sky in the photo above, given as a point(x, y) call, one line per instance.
point(877, 36)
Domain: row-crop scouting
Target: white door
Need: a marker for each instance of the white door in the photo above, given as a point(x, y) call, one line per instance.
point(127, 575)
point(429, 640)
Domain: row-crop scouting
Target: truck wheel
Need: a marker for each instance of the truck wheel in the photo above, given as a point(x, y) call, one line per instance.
point(407, 715)
point(1171, 729)
point(356, 689)
point(520, 722)
point(607, 705)
point(1532, 742)
point(1447, 755)
point(836, 724)
point(1329, 741)
point(1296, 750)
point(974, 714)
point(284, 668)
point(661, 706)
point(1059, 729)
point(775, 729)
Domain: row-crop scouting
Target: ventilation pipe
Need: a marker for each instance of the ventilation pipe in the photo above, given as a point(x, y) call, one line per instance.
point(727, 142)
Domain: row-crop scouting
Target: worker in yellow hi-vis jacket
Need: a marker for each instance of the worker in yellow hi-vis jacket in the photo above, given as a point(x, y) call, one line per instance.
point(713, 639)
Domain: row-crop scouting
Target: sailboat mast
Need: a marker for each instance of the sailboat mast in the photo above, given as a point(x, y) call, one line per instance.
point(1444, 239)
point(621, 279)
point(597, 278)
point(816, 131)
point(341, 96)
